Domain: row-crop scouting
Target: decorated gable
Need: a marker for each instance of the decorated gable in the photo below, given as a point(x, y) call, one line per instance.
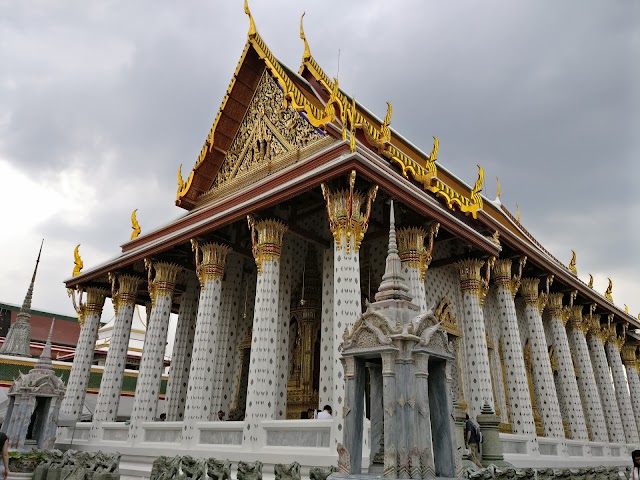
point(270, 129)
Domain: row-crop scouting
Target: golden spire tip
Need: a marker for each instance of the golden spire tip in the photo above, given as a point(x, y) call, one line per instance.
point(252, 25)
point(307, 52)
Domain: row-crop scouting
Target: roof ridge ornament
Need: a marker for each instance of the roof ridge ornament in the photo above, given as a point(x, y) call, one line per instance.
point(608, 294)
point(475, 197)
point(306, 55)
point(590, 281)
point(135, 226)
point(499, 191)
point(77, 261)
point(572, 264)
point(252, 25)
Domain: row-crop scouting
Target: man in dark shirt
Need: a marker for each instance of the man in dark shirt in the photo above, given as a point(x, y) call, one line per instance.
point(471, 441)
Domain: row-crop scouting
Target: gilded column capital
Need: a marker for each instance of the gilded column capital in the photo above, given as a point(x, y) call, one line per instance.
point(164, 280)
point(629, 355)
point(266, 240)
point(470, 274)
point(554, 304)
point(344, 209)
point(595, 328)
point(576, 321)
point(95, 300)
point(412, 250)
point(126, 290)
point(530, 293)
point(502, 272)
point(210, 260)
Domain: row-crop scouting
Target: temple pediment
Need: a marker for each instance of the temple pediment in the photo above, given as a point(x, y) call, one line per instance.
point(271, 128)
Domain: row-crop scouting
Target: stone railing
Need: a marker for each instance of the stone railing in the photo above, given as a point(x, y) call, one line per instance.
point(298, 433)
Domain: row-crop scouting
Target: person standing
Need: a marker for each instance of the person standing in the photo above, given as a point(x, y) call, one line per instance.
point(635, 468)
point(325, 414)
point(4, 447)
point(471, 438)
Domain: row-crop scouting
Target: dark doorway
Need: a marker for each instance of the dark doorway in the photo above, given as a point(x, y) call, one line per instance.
point(442, 435)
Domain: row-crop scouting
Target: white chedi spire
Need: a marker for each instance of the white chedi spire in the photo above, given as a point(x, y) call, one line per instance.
point(393, 285)
point(44, 363)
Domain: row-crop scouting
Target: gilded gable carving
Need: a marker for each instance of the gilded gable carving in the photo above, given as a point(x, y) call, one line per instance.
point(268, 129)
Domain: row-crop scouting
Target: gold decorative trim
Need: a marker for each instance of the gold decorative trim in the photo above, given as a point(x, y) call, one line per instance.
point(346, 219)
point(411, 247)
point(210, 261)
point(470, 275)
point(266, 240)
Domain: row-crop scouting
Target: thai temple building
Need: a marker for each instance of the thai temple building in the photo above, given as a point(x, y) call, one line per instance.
point(284, 248)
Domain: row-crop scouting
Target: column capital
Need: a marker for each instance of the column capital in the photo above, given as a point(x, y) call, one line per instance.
point(210, 260)
point(164, 280)
point(554, 304)
point(469, 270)
point(530, 291)
point(412, 250)
point(126, 291)
point(576, 321)
point(502, 274)
point(595, 329)
point(629, 355)
point(266, 240)
point(344, 211)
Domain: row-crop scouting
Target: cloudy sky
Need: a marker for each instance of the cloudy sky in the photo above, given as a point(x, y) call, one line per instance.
point(100, 102)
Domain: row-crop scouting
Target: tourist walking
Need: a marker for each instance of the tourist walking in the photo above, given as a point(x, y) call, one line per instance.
point(4, 446)
point(635, 468)
point(471, 440)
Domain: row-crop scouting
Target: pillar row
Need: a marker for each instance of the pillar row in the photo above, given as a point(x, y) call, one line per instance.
point(266, 238)
point(603, 378)
point(591, 404)
point(145, 402)
point(326, 331)
point(566, 383)
point(109, 395)
point(89, 316)
point(545, 388)
point(210, 270)
point(522, 421)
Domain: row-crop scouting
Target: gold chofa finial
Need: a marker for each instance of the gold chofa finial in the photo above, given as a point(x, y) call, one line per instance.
point(626, 308)
point(134, 225)
point(572, 263)
point(499, 192)
point(590, 281)
point(77, 261)
point(307, 52)
point(252, 25)
point(608, 294)
point(477, 188)
point(518, 216)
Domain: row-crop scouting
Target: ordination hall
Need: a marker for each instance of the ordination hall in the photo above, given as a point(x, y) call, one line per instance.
point(300, 207)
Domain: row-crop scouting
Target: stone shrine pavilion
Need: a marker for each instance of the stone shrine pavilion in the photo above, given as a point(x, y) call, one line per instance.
point(274, 268)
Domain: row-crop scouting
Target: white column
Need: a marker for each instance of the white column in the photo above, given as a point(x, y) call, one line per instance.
point(182, 348)
point(567, 385)
point(284, 307)
point(231, 295)
point(630, 363)
point(594, 416)
point(210, 270)
point(603, 379)
point(89, 319)
point(326, 331)
point(109, 395)
point(621, 387)
point(348, 224)
point(415, 260)
point(545, 388)
point(522, 421)
point(476, 353)
point(145, 403)
point(237, 332)
point(266, 237)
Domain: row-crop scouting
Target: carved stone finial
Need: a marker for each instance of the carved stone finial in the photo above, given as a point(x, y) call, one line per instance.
point(393, 284)
point(135, 226)
point(77, 261)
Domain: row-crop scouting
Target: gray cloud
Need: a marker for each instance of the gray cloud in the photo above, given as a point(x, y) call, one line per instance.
point(542, 94)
